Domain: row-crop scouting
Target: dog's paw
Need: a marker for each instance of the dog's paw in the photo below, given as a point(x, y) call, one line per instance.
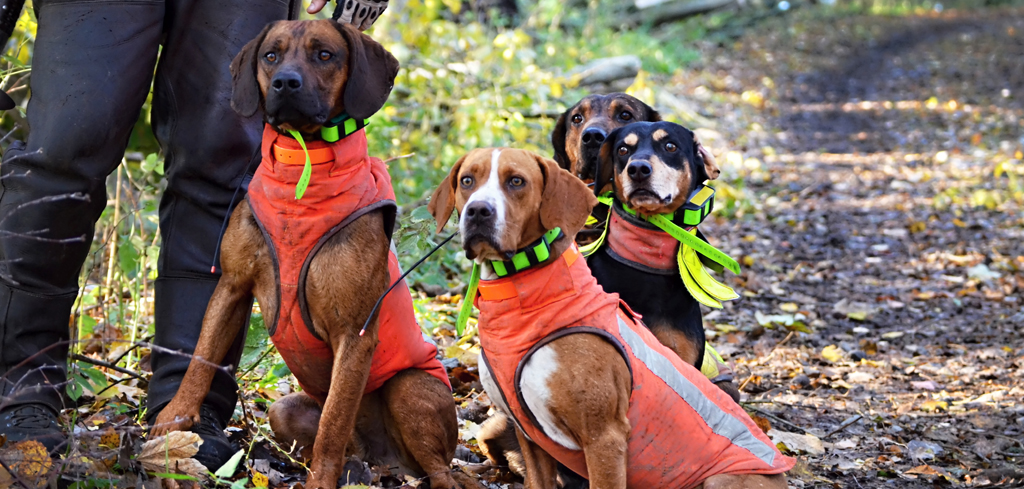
point(172, 420)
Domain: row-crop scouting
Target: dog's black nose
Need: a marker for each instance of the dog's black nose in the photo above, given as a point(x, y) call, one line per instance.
point(639, 171)
point(593, 137)
point(285, 82)
point(479, 210)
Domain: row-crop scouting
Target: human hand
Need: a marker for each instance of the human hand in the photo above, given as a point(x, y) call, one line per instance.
point(360, 13)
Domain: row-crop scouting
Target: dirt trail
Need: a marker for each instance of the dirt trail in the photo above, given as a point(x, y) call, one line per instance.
point(870, 146)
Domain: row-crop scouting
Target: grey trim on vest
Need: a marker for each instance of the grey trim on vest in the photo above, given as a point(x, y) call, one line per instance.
point(517, 379)
point(388, 206)
point(720, 422)
point(487, 379)
point(272, 324)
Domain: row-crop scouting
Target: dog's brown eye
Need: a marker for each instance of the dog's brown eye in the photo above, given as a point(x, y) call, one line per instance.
point(671, 148)
point(623, 151)
point(577, 119)
point(324, 56)
point(626, 115)
point(270, 57)
point(516, 181)
point(466, 181)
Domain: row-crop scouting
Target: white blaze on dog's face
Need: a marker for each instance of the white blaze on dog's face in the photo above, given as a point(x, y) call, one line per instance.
point(656, 166)
point(498, 197)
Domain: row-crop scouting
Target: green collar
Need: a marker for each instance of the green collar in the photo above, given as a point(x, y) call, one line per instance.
point(330, 132)
point(697, 207)
point(532, 255)
point(694, 211)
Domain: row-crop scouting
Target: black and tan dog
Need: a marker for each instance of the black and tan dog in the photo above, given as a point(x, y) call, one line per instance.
point(391, 409)
point(582, 129)
point(654, 167)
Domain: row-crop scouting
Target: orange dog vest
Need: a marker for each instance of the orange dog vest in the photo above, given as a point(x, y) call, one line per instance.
point(684, 429)
point(345, 184)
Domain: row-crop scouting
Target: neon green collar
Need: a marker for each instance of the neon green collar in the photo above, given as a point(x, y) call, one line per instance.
point(530, 256)
point(697, 207)
point(330, 132)
point(694, 211)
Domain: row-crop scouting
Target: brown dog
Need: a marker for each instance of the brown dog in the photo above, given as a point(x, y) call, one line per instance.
point(608, 401)
point(303, 74)
point(581, 130)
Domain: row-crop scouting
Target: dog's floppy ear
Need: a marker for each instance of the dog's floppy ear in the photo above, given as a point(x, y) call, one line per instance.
point(442, 203)
point(607, 162)
point(371, 73)
point(704, 156)
point(566, 201)
point(650, 115)
point(558, 141)
point(246, 97)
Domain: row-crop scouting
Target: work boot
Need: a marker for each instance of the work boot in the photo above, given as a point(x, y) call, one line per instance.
point(33, 421)
point(180, 307)
point(216, 448)
point(33, 363)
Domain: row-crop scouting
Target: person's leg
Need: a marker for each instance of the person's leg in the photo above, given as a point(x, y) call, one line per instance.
point(92, 67)
point(208, 148)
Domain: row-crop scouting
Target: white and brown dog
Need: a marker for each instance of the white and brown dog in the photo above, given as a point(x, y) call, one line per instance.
point(585, 382)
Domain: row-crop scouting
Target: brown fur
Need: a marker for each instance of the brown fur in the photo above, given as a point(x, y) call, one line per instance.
point(598, 111)
point(357, 79)
point(410, 421)
point(550, 197)
point(590, 395)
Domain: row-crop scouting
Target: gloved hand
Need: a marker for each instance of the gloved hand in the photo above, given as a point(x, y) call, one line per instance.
point(360, 13)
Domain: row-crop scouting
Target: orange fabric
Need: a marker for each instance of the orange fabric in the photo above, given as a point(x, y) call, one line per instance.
point(670, 445)
point(339, 187)
point(652, 248)
point(495, 290)
point(317, 155)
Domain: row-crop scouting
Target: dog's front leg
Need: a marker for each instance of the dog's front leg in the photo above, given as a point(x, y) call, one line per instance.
point(352, 357)
point(541, 468)
point(227, 311)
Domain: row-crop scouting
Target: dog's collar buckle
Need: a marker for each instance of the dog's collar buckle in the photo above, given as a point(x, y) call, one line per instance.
point(534, 254)
point(341, 127)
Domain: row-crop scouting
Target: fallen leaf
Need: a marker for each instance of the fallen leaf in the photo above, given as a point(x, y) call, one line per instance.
point(924, 385)
point(845, 444)
point(934, 405)
point(789, 307)
point(923, 450)
point(832, 354)
point(172, 454)
point(29, 460)
point(930, 471)
point(797, 443)
point(762, 423)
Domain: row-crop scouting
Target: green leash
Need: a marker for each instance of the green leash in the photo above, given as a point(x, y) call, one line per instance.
point(307, 170)
point(329, 133)
point(699, 245)
point(467, 300)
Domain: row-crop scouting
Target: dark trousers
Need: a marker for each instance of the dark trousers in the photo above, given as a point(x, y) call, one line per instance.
point(93, 64)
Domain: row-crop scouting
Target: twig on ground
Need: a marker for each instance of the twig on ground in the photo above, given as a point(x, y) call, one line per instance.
point(101, 363)
point(845, 425)
point(776, 418)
